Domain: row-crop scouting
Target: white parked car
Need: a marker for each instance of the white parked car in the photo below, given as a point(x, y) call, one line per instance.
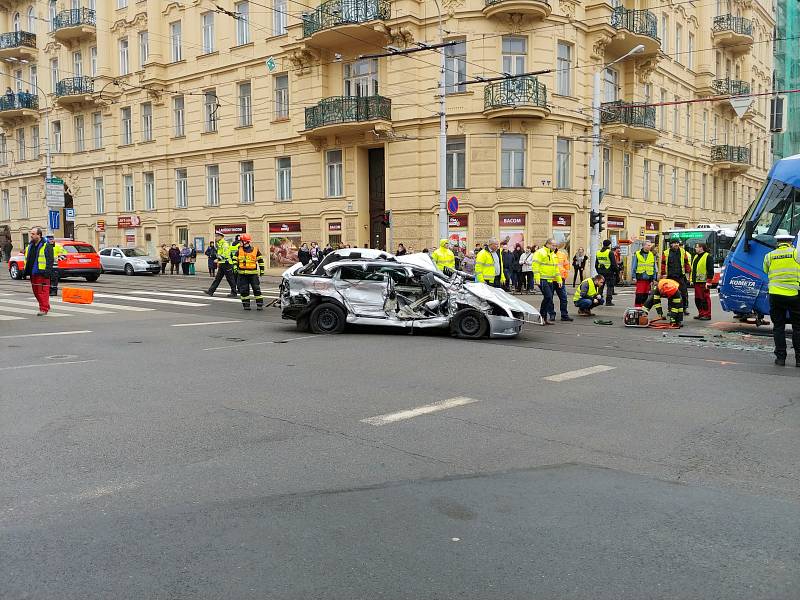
point(129, 261)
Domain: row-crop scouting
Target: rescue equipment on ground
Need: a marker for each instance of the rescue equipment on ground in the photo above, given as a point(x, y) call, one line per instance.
point(636, 317)
point(77, 295)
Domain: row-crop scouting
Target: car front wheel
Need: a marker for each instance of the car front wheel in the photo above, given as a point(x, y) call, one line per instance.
point(129, 270)
point(13, 271)
point(327, 318)
point(91, 278)
point(469, 324)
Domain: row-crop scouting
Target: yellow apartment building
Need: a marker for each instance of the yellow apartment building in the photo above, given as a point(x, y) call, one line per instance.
point(170, 120)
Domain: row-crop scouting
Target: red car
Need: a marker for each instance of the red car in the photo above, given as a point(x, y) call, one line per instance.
point(81, 260)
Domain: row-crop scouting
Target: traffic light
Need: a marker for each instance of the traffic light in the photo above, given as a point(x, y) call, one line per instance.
point(387, 219)
point(597, 218)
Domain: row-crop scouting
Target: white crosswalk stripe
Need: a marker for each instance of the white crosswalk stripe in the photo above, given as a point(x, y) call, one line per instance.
point(171, 295)
point(155, 300)
point(28, 309)
point(67, 307)
point(104, 305)
point(10, 318)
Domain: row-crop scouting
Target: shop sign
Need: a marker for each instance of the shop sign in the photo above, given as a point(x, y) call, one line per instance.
point(458, 221)
point(101, 225)
point(234, 229)
point(562, 220)
point(128, 221)
point(287, 227)
point(335, 227)
point(652, 225)
point(615, 222)
point(512, 220)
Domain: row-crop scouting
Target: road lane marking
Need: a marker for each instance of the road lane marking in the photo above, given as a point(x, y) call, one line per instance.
point(22, 335)
point(206, 323)
point(88, 311)
point(579, 373)
point(420, 410)
point(32, 309)
point(114, 306)
point(155, 300)
point(171, 295)
point(10, 318)
point(305, 337)
point(52, 364)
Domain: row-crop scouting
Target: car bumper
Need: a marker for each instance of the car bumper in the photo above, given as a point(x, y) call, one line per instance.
point(80, 272)
point(503, 327)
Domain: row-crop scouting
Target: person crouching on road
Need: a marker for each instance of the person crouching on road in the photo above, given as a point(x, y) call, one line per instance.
point(249, 265)
point(38, 266)
point(589, 295)
point(670, 289)
point(489, 265)
point(702, 274)
point(644, 271)
point(58, 252)
point(443, 256)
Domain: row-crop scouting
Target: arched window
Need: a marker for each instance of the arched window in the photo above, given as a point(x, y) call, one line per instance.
point(17, 26)
point(52, 12)
point(31, 20)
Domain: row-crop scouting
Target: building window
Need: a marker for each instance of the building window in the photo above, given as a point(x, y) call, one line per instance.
point(126, 126)
point(284, 177)
point(54, 77)
point(242, 22)
point(34, 78)
point(456, 163)
point(56, 136)
point(212, 185)
point(208, 32)
point(608, 168)
point(34, 142)
point(6, 206)
point(245, 104)
point(662, 111)
point(724, 195)
point(456, 67)
point(686, 187)
point(80, 136)
point(183, 236)
point(563, 163)
point(678, 40)
point(610, 85)
point(334, 173)
point(688, 130)
point(703, 190)
point(149, 182)
point(646, 180)
point(77, 64)
point(627, 174)
point(247, 182)
point(676, 124)
point(127, 193)
point(564, 69)
point(93, 60)
point(515, 53)
point(705, 126)
point(122, 3)
point(52, 12)
point(660, 183)
point(690, 51)
point(361, 78)
point(175, 41)
point(674, 185)
point(123, 57)
point(181, 189)
point(21, 146)
point(144, 49)
point(210, 106)
point(31, 20)
point(179, 127)
point(147, 122)
point(281, 97)
point(512, 159)
point(23, 202)
point(664, 33)
point(280, 17)
point(4, 149)
point(97, 130)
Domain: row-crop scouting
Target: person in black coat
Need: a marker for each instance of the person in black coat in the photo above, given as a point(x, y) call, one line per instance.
point(304, 254)
point(516, 269)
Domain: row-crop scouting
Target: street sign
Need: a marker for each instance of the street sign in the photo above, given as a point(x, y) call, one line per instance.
point(54, 192)
point(452, 205)
point(69, 214)
point(740, 105)
point(271, 65)
point(54, 219)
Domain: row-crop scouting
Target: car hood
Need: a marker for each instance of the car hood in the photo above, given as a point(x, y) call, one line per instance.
point(418, 259)
point(500, 297)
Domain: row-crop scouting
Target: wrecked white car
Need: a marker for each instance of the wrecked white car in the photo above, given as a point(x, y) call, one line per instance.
point(370, 287)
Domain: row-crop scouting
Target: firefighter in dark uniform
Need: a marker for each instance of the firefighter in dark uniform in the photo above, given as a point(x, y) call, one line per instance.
point(249, 266)
point(671, 290)
point(675, 265)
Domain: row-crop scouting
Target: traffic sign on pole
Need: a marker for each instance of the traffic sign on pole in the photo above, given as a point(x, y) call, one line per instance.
point(54, 219)
point(54, 192)
point(69, 214)
point(452, 205)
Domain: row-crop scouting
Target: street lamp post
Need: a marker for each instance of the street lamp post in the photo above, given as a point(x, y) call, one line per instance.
point(594, 240)
point(443, 234)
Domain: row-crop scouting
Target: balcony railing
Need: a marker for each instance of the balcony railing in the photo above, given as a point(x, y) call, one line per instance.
point(19, 101)
point(345, 12)
point(518, 91)
point(15, 39)
point(640, 22)
point(75, 86)
point(738, 25)
point(626, 113)
point(730, 87)
point(348, 109)
point(493, 2)
point(74, 17)
point(736, 154)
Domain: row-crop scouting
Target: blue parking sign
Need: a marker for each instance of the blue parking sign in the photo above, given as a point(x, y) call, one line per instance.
point(54, 219)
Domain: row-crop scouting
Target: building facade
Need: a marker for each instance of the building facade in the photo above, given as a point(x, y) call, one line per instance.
point(787, 75)
point(168, 121)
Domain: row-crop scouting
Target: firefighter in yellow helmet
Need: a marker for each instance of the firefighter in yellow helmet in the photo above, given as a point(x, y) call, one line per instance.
point(782, 266)
point(443, 256)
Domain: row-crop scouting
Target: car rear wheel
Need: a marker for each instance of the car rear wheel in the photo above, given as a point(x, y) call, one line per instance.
point(469, 324)
point(91, 278)
point(327, 318)
point(13, 271)
point(129, 270)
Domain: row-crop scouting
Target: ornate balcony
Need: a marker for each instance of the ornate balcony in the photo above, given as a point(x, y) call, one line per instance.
point(516, 97)
point(731, 159)
point(730, 87)
point(628, 121)
point(15, 106)
point(338, 24)
point(733, 33)
point(633, 27)
point(73, 24)
point(538, 9)
point(20, 45)
point(74, 90)
point(348, 114)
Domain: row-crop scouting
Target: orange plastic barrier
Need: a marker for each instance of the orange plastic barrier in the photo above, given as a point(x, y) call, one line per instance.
point(77, 295)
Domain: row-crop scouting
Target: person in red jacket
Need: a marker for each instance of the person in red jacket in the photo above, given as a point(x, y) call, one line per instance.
point(676, 265)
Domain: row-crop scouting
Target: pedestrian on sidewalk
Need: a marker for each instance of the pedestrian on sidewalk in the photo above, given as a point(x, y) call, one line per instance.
point(643, 268)
point(224, 266)
point(186, 254)
point(702, 274)
point(468, 263)
point(508, 258)
point(579, 264)
point(516, 269)
point(526, 269)
point(163, 254)
point(303, 254)
point(588, 295)
point(211, 253)
point(192, 259)
point(38, 266)
point(174, 260)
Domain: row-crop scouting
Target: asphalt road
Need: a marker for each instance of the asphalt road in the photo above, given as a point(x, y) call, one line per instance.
point(182, 451)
